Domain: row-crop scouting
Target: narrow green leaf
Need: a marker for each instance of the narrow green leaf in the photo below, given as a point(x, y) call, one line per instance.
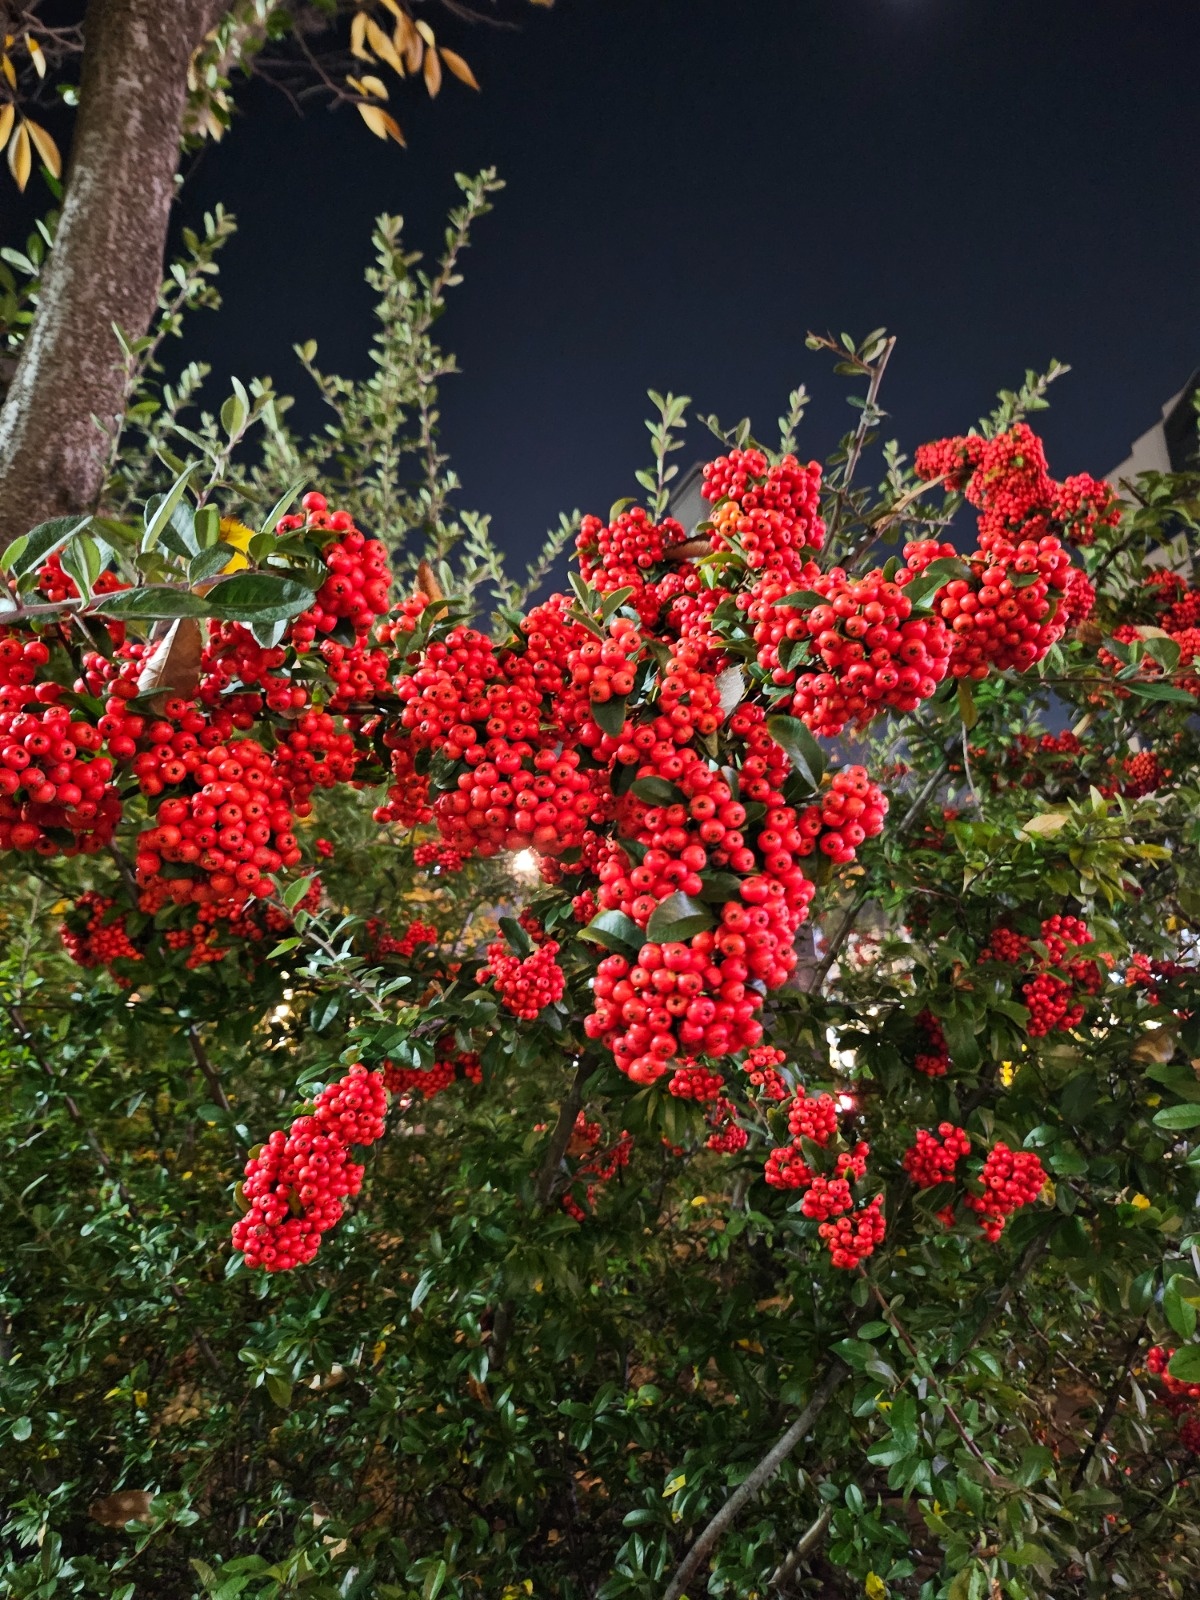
point(161, 515)
point(802, 750)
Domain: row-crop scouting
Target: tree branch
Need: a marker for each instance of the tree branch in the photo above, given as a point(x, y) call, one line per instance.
point(749, 1487)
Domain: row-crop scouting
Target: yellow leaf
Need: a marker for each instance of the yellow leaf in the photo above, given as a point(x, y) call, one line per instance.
point(358, 33)
point(19, 159)
point(433, 72)
point(459, 67)
point(10, 72)
point(37, 56)
point(414, 49)
point(46, 147)
point(394, 8)
point(7, 118)
point(874, 1588)
point(383, 47)
point(1141, 1201)
point(1047, 823)
point(426, 33)
point(675, 1485)
point(380, 123)
point(369, 86)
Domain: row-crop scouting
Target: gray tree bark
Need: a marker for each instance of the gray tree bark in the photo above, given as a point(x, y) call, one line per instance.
point(107, 261)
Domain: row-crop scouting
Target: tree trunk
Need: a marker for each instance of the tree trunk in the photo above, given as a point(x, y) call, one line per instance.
point(107, 261)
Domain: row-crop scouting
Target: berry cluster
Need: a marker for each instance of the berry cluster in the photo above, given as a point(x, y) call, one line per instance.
point(622, 553)
point(449, 1062)
point(96, 935)
point(1057, 984)
point(933, 1056)
point(295, 1184)
point(525, 986)
point(768, 513)
point(863, 652)
point(1181, 1399)
point(932, 1159)
point(1010, 1179)
point(599, 1167)
point(827, 1195)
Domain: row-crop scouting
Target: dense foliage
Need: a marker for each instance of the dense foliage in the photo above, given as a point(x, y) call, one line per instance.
point(439, 1159)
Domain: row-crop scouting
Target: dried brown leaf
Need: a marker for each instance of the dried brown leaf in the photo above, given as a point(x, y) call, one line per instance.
point(173, 666)
point(459, 67)
point(383, 47)
point(381, 123)
point(688, 549)
point(428, 584)
point(433, 72)
point(127, 1505)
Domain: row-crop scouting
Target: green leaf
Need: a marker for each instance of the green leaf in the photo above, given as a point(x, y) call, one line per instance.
point(677, 919)
point(206, 525)
point(205, 566)
point(1178, 1117)
point(609, 715)
point(22, 1427)
point(614, 601)
point(282, 506)
point(259, 597)
point(153, 602)
point(295, 892)
point(235, 413)
point(517, 936)
point(81, 561)
point(279, 1389)
point(1162, 691)
point(720, 887)
point(658, 792)
point(1185, 1364)
point(802, 750)
point(935, 576)
point(802, 599)
point(967, 709)
point(1178, 1308)
point(434, 1579)
point(32, 548)
point(158, 518)
point(615, 931)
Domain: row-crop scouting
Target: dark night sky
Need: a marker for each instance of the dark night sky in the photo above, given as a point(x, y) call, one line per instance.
point(694, 183)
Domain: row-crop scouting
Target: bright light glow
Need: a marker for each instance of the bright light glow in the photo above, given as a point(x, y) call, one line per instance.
point(525, 864)
point(847, 1102)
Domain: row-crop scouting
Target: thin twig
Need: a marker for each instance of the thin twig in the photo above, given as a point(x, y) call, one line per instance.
point(213, 1081)
point(750, 1485)
point(561, 1138)
point(911, 1345)
point(1112, 1400)
point(808, 1540)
